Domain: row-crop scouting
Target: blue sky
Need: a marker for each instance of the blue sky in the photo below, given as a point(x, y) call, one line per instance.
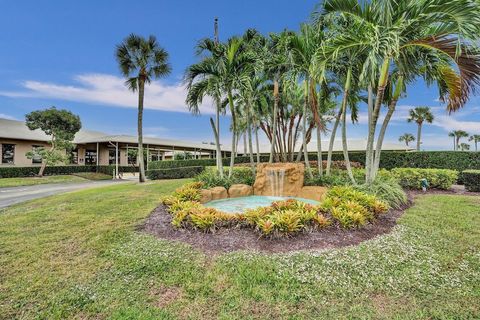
point(61, 53)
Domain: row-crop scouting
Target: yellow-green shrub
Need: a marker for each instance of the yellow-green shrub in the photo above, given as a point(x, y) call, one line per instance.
point(411, 178)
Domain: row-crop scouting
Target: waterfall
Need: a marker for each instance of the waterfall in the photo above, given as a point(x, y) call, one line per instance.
point(276, 179)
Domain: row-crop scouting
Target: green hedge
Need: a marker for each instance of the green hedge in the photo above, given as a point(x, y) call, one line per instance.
point(454, 160)
point(471, 179)
point(174, 173)
point(16, 172)
point(198, 162)
point(437, 178)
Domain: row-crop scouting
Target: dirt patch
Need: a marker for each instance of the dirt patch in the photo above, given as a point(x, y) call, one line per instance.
point(164, 296)
point(233, 239)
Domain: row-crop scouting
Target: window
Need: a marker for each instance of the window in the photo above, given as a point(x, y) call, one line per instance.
point(8, 153)
point(36, 157)
point(90, 157)
point(111, 156)
point(73, 157)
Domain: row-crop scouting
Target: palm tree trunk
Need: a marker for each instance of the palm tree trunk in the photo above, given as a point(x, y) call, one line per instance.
point(371, 134)
point(391, 109)
point(382, 84)
point(419, 134)
point(319, 152)
point(305, 151)
point(332, 140)
point(344, 127)
point(250, 144)
point(219, 151)
point(234, 132)
point(257, 144)
point(141, 93)
point(381, 136)
point(274, 125)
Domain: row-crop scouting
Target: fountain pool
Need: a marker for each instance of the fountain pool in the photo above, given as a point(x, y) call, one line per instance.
point(239, 205)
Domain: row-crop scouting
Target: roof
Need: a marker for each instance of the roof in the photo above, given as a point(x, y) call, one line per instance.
point(12, 129)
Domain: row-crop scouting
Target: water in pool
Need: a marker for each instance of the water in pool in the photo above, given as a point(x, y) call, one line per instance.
point(235, 205)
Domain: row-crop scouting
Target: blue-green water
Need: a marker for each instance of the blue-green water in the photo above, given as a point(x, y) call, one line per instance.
point(237, 205)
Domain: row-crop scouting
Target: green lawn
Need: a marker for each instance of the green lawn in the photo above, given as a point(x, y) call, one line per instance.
point(30, 181)
point(78, 256)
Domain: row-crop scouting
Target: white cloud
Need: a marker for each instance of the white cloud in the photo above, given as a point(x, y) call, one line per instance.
point(450, 123)
point(109, 90)
point(6, 116)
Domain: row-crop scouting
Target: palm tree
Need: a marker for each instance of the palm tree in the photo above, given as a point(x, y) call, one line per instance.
point(459, 134)
point(452, 135)
point(419, 115)
point(205, 79)
point(407, 138)
point(390, 31)
point(464, 146)
point(140, 61)
point(475, 138)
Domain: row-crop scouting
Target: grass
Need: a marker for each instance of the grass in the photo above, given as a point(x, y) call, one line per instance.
point(30, 181)
point(78, 256)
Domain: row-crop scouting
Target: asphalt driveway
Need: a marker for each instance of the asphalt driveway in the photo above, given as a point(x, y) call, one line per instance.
point(14, 195)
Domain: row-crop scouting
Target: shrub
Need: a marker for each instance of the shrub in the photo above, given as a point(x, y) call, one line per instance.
point(338, 164)
point(174, 173)
point(437, 178)
point(339, 177)
point(210, 178)
point(352, 208)
point(17, 172)
point(387, 190)
point(471, 179)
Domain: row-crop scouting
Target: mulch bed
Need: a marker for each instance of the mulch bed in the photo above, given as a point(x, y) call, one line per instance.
point(233, 239)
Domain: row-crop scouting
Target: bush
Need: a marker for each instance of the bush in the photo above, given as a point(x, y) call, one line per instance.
point(471, 179)
point(340, 177)
point(210, 178)
point(174, 173)
point(437, 178)
point(387, 190)
point(352, 208)
point(17, 172)
point(198, 162)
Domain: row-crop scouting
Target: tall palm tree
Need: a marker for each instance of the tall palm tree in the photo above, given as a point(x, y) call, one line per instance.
point(475, 138)
point(452, 135)
point(304, 47)
point(392, 30)
point(407, 138)
point(419, 115)
point(459, 134)
point(140, 61)
point(205, 79)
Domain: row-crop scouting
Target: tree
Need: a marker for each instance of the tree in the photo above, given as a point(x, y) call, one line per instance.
point(475, 138)
point(203, 79)
point(458, 134)
point(397, 34)
point(452, 135)
point(61, 126)
point(141, 60)
point(419, 115)
point(407, 138)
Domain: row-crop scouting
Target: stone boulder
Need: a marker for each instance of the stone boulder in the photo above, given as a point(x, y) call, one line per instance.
point(240, 190)
point(206, 195)
point(219, 193)
point(279, 179)
point(312, 192)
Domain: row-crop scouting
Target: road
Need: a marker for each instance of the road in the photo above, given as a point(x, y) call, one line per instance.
point(14, 195)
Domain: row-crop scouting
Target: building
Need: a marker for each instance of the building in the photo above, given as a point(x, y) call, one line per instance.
point(91, 147)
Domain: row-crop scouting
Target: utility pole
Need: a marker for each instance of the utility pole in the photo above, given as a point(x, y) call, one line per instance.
point(215, 30)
